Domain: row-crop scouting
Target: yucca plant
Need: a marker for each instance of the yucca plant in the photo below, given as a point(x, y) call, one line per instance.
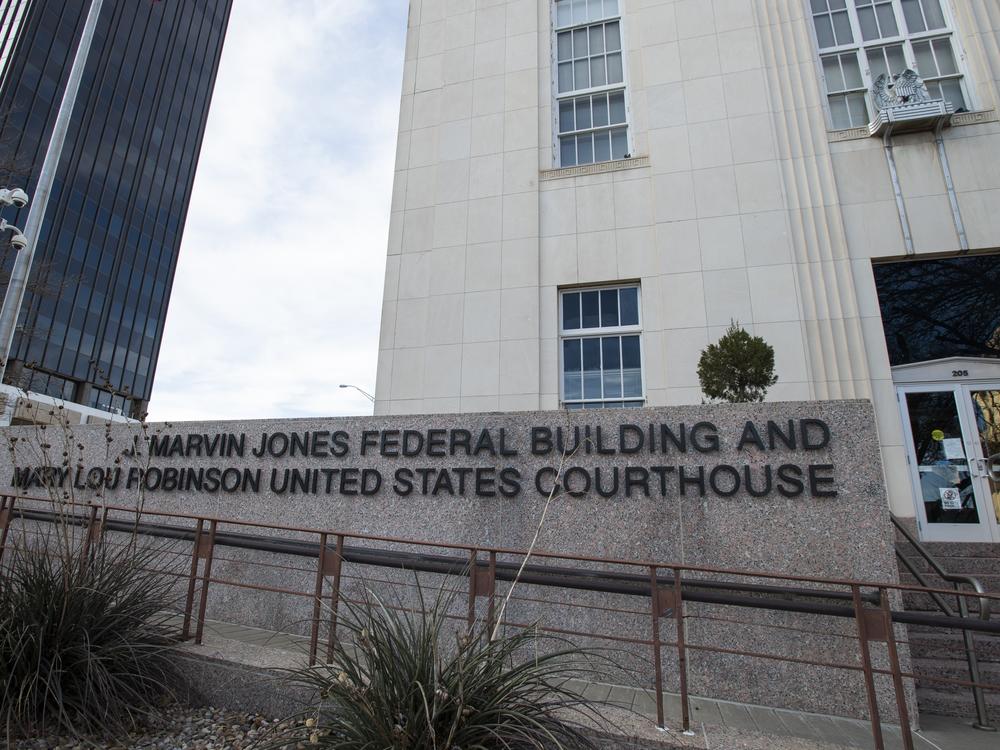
point(85, 637)
point(415, 680)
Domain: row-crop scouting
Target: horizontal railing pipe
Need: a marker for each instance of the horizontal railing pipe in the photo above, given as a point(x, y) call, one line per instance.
point(795, 600)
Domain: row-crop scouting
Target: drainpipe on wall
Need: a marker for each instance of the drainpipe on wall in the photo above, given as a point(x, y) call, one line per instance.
point(956, 212)
point(904, 220)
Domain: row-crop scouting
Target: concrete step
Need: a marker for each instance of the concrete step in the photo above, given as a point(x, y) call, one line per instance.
point(955, 549)
point(943, 703)
point(917, 602)
point(969, 566)
point(953, 669)
point(951, 645)
point(954, 700)
point(990, 583)
point(937, 652)
point(919, 631)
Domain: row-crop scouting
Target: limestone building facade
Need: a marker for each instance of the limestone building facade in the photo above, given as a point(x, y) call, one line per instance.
point(588, 192)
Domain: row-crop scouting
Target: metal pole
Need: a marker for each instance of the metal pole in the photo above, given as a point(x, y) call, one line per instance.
point(866, 666)
point(40, 199)
point(654, 598)
point(472, 589)
point(192, 578)
point(363, 392)
point(206, 579)
point(6, 513)
point(949, 183)
point(317, 600)
point(904, 219)
point(681, 653)
point(982, 715)
point(491, 613)
point(91, 534)
point(338, 561)
point(897, 678)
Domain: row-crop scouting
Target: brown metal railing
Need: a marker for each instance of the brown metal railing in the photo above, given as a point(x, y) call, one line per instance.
point(675, 592)
point(982, 715)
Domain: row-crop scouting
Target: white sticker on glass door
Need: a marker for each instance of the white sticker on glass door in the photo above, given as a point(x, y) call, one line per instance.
point(951, 499)
point(953, 448)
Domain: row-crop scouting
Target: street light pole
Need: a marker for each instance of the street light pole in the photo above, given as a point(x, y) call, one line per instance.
point(22, 263)
point(365, 393)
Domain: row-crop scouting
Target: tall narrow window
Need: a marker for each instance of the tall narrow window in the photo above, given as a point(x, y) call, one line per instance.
point(601, 357)
point(859, 40)
point(590, 82)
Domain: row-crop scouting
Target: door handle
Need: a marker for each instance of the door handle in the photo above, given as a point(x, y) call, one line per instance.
point(979, 468)
point(992, 467)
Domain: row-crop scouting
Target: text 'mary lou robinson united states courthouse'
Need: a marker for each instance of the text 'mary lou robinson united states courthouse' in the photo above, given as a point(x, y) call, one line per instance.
point(588, 192)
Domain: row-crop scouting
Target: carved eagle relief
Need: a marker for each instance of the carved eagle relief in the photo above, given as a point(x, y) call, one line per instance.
point(882, 92)
point(903, 88)
point(910, 88)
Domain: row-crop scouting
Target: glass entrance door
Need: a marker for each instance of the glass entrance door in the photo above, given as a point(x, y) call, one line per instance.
point(985, 405)
point(953, 434)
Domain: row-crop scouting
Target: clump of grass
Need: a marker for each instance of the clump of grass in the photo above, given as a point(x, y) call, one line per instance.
point(408, 679)
point(85, 637)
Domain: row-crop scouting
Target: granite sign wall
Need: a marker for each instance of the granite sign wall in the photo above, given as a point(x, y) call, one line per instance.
point(785, 487)
point(689, 483)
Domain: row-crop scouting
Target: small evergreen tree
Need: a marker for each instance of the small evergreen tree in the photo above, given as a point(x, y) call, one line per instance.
point(738, 368)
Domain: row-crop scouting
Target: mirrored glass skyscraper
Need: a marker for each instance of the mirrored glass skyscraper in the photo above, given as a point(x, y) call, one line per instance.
point(92, 320)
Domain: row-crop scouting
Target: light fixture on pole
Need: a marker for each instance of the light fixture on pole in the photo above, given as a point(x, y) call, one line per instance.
point(18, 198)
point(17, 238)
point(363, 392)
point(14, 197)
point(10, 197)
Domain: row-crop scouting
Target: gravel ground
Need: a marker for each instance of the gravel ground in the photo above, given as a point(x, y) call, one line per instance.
point(178, 728)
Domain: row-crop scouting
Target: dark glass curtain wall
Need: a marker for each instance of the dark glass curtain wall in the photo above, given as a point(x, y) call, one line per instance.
point(92, 322)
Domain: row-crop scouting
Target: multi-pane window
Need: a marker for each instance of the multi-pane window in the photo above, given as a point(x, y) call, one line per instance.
point(845, 89)
point(601, 357)
point(590, 82)
point(859, 40)
point(876, 19)
point(936, 62)
point(592, 128)
point(922, 15)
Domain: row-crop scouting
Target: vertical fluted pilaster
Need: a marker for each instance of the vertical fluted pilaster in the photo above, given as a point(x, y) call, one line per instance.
point(830, 313)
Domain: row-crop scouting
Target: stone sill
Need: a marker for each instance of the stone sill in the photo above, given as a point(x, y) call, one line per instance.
point(634, 162)
point(962, 118)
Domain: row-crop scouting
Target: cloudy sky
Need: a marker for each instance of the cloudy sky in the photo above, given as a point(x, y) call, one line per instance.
point(279, 283)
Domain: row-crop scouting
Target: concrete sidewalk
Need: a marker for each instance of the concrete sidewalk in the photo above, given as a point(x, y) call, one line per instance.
point(712, 721)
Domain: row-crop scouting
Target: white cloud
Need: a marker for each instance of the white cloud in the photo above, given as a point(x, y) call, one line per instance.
point(278, 288)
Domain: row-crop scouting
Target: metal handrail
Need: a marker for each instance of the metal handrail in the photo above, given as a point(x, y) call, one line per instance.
point(668, 586)
point(985, 609)
point(707, 591)
point(133, 512)
point(985, 604)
